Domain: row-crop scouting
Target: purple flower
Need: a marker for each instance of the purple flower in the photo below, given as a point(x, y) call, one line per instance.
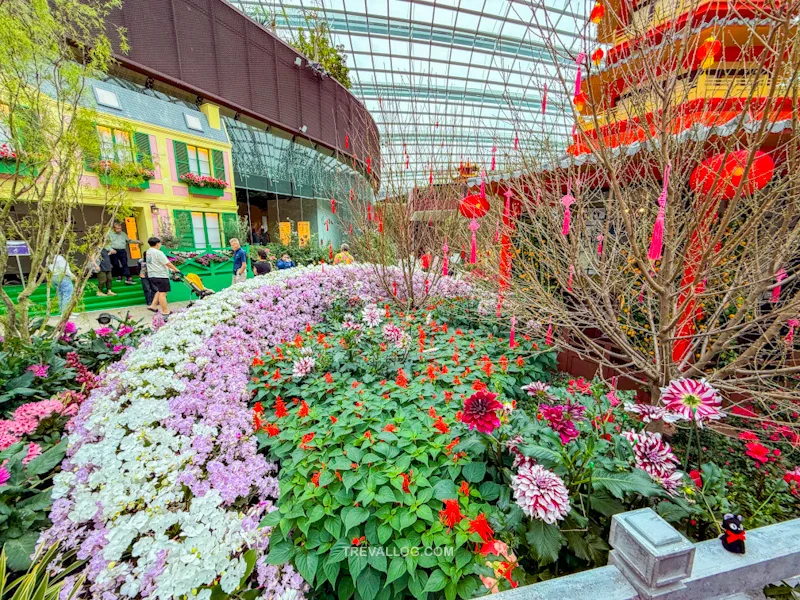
point(4, 475)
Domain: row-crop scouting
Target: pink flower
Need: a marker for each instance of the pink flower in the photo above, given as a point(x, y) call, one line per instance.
point(118, 348)
point(7, 440)
point(579, 385)
point(541, 494)
point(691, 400)
point(652, 455)
point(480, 411)
point(4, 475)
point(539, 390)
point(612, 398)
point(647, 412)
point(124, 330)
point(562, 419)
point(103, 331)
point(792, 476)
point(696, 478)
point(513, 447)
point(748, 436)
point(39, 370)
point(70, 328)
point(34, 450)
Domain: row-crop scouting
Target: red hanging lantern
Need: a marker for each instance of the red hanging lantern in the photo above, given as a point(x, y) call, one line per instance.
point(721, 176)
point(597, 56)
point(346, 141)
point(473, 206)
point(369, 165)
point(709, 52)
point(580, 101)
point(597, 14)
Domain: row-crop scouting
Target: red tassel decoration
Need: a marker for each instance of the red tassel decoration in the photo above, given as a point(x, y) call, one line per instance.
point(544, 99)
point(351, 229)
point(776, 291)
point(380, 225)
point(327, 224)
point(333, 206)
point(494, 160)
point(483, 184)
point(569, 279)
point(346, 141)
point(793, 324)
point(497, 233)
point(567, 201)
point(473, 249)
point(579, 74)
point(406, 162)
point(499, 310)
point(369, 212)
point(394, 289)
point(430, 177)
point(657, 241)
point(369, 165)
point(427, 287)
point(512, 341)
point(330, 251)
point(548, 339)
point(445, 260)
point(641, 294)
point(516, 141)
point(600, 244)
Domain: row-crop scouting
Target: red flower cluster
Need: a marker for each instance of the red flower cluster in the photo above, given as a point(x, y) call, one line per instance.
point(306, 440)
point(441, 426)
point(480, 412)
point(280, 408)
point(401, 379)
point(406, 481)
point(303, 412)
point(391, 428)
point(451, 515)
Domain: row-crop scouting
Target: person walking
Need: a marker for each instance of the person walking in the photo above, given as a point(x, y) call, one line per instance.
point(262, 266)
point(101, 265)
point(343, 257)
point(63, 281)
point(147, 289)
point(158, 268)
point(239, 261)
point(118, 249)
point(285, 262)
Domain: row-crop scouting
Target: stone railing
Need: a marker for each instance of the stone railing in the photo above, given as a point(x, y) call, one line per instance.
point(651, 559)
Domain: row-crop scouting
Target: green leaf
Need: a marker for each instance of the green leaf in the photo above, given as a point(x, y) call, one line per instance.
point(445, 489)
point(474, 472)
point(450, 590)
point(39, 502)
point(436, 581)
point(271, 520)
point(368, 584)
point(356, 561)
point(385, 495)
point(605, 504)
point(331, 570)
point(588, 547)
point(424, 512)
point(396, 569)
point(280, 553)
point(545, 541)
point(333, 526)
point(346, 588)
point(377, 560)
point(355, 517)
point(467, 587)
point(490, 491)
point(672, 512)
point(384, 532)
point(19, 550)
point(46, 462)
point(306, 564)
point(463, 556)
point(546, 456)
point(619, 484)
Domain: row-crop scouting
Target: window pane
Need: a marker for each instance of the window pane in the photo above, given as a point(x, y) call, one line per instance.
point(122, 146)
point(106, 143)
point(202, 159)
point(192, 151)
point(212, 225)
point(199, 230)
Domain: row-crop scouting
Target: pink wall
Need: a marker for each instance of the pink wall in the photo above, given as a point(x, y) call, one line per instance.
point(173, 170)
point(156, 157)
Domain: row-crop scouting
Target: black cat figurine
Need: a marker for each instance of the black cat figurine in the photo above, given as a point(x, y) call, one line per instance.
point(733, 534)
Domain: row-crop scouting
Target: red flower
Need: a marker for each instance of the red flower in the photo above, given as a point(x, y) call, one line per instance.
point(359, 541)
point(480, 412)
point(441, 425)
point(306, 439)
point(401, 379)
point(579, 385)
point(333, 419)
point(256, 421)
point(748, 436)
point(431, 372)
point(406, 481)
point(464, 488)
point(315, 478)
point(328, 377)
point(741, 411)
point(272, 429)
point(456, 380)
point(258, 408)
point(520, 361)
point(451, 514)
point(368, 435)
point(486, 365)
point(696, 478)
point(479, 386)
point(504, 363)
point(257, 362)
point(432, 412)
point(757, 452)
point(481, 526)
point(280, 408)
point(449, 448)
point(303, 412)
point(391, 428)
point(448, 396)
point(277, 375)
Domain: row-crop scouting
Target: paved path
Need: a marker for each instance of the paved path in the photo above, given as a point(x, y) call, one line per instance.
point(88, 320)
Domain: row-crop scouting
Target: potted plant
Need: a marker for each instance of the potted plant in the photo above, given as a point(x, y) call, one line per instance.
point(204, 185)
point(133, 175)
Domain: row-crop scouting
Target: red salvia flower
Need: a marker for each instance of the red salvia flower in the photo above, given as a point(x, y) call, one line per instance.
point(481, 526)
point(359, 541)
point(298, 340)
point(455, 357)
point(432, 412)
point(315, 479)
point(280, 408)
point(441, 426)
point(486, 365)
point(257, 362)
point(451, 515)
point(368, 435)
point(276, 375)
point(256, 421)
point(520, 361)
point(431, 372)
point(333, 419)
point(401, 379)
point(478, 385)
point(303, 409)
point(391, 428)
point(272, 429)
point(504, 363)
point(328, 377)
point(456, 380)
point(464, 488)
point(448, 395)
point(406, 482)
point(449, 448)
point(306, 440)
point(258, 408)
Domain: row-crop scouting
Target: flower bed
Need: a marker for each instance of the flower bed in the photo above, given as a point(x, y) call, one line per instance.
point(163, 488)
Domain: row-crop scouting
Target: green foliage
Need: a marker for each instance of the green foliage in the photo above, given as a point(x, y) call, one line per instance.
point(38, 583)
point(315, 42)
point(310, 254)
point(98, 348)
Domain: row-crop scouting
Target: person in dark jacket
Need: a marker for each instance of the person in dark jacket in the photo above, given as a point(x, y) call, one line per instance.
point(147, 289)
point(285, 262)
point(262, 266)
point(101, 265)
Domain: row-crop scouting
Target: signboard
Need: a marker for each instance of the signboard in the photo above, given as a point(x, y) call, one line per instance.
point(18, 248)
point(134, 250)
point(303, 232)
point(285, 231)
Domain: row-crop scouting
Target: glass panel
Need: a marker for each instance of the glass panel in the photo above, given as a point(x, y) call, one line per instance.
point(106, 143)
point(199, 230)
point(212, 226)
point(122, 146)
point(192, 152)
point(203, 161)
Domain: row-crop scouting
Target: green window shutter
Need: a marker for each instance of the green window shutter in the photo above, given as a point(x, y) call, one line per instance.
point(183, 227)
point(181, 158)
point(142, 144)
point(218, 160)
point(230, 226)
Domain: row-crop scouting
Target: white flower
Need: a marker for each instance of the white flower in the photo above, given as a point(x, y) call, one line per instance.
point(371, 315)
point(303, 367)
point(541, 494)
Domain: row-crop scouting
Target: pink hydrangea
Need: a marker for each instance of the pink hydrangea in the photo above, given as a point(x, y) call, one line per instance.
point(691, 400)
point(541, 494)
point(4, 475)
point(34, 450)
point(39, 370)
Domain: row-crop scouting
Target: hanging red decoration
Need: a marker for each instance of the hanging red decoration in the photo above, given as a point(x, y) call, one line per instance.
point(473, 248)
point(567, 201)
point(380, 224)
point(394, 288)
point(548, 339)
point(544, 98)
point(474, 206)
point(445, 259)
point(327, 225)
point(600, 244)
point(597, 56)
point(512, 342)
point(406, 161)
point(579, 72)
point(369, 213)
point(569, 280)
point(346, 141)
point(776, 291)
point(494, 158)
point(369, 165)
point(709, 52)
point(330, 251)
point(430, 177)
point(657, 240)
point(597, 14)
point(721, 176)
point(793, 324)
point(351, 229)
point(516, 141)
point(427, 287)
point(579, 101)
point(333, 205)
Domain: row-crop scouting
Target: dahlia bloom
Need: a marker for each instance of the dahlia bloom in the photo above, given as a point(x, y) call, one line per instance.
point(541, 494)
point(5, 475)
point(691, 400)
point(395, 335)
point(371, 315)
point(647, 412)
point(480, 412)
point(538, 390)
point(758, 452)
point(303, 367)
point(654, 456)
point(513, 447)
point(562, 419)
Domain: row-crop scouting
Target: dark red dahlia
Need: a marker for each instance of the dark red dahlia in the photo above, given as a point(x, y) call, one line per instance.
point(480, 411)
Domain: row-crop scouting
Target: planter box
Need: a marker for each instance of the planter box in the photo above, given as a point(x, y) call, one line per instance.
point(108, 180)
point(206, 191)
point(9, 167)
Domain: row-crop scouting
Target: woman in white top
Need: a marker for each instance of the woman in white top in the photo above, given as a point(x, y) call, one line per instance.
point(63, 281)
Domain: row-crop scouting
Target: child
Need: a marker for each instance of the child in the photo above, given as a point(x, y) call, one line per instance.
point(285, 262)
point(101, 265)
point(148, 290)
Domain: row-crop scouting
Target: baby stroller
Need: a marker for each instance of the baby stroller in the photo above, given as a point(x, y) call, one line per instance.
point(194, 283)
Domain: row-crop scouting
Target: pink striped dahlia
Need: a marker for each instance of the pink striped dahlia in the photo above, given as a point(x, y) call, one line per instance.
point(480, 411)
point(654, 456)
point(541, 494)
point(691, 400)
point(538, 390)
point(647, 412)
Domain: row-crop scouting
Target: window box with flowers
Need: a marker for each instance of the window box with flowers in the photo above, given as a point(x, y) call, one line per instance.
point(204, 185)
point(133, 175)
point(9, 165)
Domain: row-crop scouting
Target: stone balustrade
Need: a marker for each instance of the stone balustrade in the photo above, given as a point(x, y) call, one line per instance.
point(650, 559)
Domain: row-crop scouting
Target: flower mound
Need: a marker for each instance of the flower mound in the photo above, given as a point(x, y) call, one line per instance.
point(541, 494)
point(480, 412)
point(163, 488)
point(691, 400)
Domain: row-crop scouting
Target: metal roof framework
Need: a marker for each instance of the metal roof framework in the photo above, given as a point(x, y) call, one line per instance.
point(448, 80)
